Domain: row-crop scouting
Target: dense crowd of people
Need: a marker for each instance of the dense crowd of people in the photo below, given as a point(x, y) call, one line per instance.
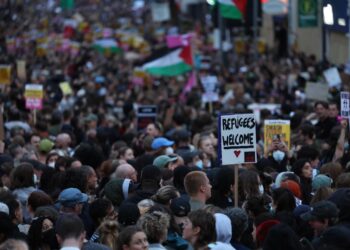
point(81, 174)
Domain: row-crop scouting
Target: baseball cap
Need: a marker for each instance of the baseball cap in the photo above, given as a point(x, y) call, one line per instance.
point(45, 145)
point(162, 160)
point(69, 197)
point(321, 180)
point(161, 142)
point(321, 210)
point(180, 207)
point(4, 208)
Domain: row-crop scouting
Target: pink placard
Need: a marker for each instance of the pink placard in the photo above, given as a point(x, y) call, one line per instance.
point(34, 103)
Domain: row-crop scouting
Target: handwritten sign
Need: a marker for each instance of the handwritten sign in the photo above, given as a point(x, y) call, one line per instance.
point(276, 127)
point(237, 138)
point(34, 96)
point(345, 104)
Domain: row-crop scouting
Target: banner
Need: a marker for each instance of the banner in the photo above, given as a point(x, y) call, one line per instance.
point(34, 96)
point(5, 74)
point(237, 139)
point(307, 13)
point(276, 127)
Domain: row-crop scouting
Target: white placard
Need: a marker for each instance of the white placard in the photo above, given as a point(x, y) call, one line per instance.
point(345, 104)
point(237, 139)
point(209, 84)
point(332, 77)
point(316, 91)
point(160, 12)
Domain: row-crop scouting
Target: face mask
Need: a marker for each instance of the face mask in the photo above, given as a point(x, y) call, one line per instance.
point(199, 164)
point(278, 155)
point(169, 151)
point(51, 164)
point(261, 189)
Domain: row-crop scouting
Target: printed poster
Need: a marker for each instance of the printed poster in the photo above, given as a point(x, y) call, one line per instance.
point(276, 127)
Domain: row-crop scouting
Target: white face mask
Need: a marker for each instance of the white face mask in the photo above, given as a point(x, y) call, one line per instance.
point(169, 151)
point(261, 189)
point(51, 164)
point(278, 155)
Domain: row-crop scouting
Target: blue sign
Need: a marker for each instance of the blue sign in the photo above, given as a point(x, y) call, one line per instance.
point(335, 15)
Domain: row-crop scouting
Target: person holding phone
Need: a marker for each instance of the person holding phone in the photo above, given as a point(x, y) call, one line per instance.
point(276, 155)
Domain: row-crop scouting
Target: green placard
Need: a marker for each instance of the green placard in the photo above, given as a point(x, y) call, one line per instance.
point(308, 13)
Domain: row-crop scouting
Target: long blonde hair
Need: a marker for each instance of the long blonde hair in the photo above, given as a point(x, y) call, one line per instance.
point(109, 233)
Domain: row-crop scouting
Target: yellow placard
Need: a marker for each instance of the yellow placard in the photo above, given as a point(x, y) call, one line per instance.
point(66, 88)
point(34, 91)
point(276, 127)
point(5, 74)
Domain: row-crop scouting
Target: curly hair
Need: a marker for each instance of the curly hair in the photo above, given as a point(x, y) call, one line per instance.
point(155, 225)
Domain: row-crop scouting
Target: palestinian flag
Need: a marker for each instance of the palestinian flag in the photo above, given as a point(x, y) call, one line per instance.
point(106, 46)
point(172, 64)
point(229, 8)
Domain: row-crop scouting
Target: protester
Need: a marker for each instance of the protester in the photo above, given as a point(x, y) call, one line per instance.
point(114, 142)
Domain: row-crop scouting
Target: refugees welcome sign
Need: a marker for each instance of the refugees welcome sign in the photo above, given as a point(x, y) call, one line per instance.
point(237, 139)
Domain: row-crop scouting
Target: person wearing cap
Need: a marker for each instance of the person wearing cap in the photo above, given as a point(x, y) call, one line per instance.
point(164, 161)
point(321, 180)
point(45, 146)
point(321, 216)
point(162, 145)
point(180, 208)
point(71, 200)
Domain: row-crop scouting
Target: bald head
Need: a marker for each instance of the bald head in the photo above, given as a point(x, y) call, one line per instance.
point(63, 141)
point(124, 171)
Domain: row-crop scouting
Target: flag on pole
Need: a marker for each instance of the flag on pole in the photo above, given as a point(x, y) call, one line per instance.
point(229, 9)
point(106, 45)
point(172, 64)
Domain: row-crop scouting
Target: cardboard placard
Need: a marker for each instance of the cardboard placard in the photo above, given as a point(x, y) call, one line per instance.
point(316, 91)
point(145, 115)
point(66, 88)
point(237, 138)
point(276, 127)
point(21, 70)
